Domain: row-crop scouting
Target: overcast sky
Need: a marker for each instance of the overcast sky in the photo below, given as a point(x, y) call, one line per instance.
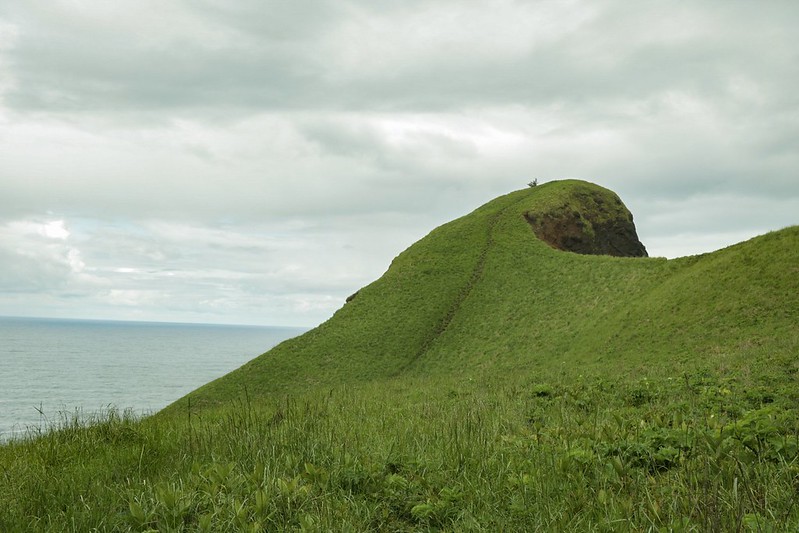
point(257, 161)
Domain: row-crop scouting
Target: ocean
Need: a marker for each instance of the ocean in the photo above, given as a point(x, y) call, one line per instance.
point(52, 369)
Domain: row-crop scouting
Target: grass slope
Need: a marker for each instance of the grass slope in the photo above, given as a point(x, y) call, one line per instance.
point(486, 382)
point(483, 298)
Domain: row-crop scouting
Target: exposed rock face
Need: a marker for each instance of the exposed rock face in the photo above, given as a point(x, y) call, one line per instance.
point(591, 223)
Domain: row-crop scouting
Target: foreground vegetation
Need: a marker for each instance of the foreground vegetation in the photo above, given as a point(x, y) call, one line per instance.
point(663, 453)
point(485, 382)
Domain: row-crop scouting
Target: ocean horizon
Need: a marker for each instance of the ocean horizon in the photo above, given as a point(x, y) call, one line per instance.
point(53, 369)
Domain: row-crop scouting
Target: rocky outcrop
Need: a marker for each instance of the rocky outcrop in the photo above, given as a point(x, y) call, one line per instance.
point(591, 222)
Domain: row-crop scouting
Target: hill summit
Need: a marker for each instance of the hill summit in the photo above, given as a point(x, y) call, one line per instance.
point(591, 221)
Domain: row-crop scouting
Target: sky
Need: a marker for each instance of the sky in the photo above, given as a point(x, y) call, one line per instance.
point(258, 161)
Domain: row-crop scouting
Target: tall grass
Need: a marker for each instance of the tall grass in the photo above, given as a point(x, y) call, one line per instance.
point(562, 453)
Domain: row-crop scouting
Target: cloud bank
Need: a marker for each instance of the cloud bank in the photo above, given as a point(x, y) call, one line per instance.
point(257, 162)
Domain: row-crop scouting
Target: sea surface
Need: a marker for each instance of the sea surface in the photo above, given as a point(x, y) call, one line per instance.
point(53, 369)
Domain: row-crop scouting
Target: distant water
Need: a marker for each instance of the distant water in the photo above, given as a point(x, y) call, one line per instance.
point(50, 368)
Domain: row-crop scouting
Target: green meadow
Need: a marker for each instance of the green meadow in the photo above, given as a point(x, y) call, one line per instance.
point(486, 382)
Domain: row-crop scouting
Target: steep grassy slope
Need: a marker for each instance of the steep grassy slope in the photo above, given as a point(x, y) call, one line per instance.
point(386, 327)
point(483, 298)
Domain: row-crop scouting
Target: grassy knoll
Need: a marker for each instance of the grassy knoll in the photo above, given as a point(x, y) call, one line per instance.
point(485, 382)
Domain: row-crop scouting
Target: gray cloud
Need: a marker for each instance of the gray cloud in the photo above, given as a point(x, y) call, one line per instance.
point(258, 161)
point(336, 55)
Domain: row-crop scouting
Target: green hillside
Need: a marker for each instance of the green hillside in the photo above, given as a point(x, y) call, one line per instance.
point(482, 297)
point(491, 380)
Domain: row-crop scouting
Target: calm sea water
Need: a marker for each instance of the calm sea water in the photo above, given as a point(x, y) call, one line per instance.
point(51, 368)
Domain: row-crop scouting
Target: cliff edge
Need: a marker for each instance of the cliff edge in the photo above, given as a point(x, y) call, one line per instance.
point(590, 221)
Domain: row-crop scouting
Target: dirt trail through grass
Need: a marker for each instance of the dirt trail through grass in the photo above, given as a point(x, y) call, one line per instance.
point(477, 274)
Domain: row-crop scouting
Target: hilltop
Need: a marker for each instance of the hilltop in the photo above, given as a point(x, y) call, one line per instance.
point(494, 296)
point(587, 219)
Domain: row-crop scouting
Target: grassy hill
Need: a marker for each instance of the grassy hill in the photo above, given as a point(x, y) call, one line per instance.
point(489, 380)
point(483, 298)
